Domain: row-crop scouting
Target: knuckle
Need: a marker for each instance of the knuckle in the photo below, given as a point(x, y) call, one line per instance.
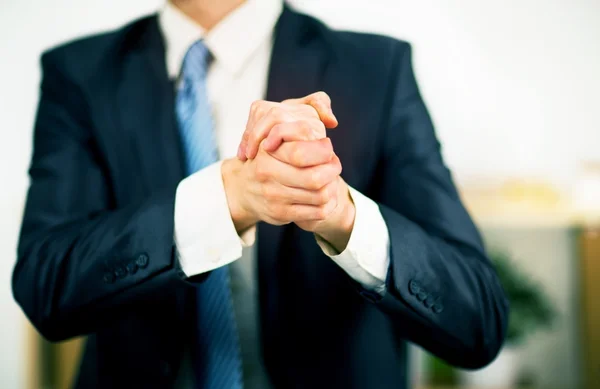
point(297, 156)
point(324, 196)
point(276, 113)
point(316, 177)
point(338, 167)
point(260, 175)
point(318, 128)
point(254, 137)
point(255, 106)
point(307, 126)
point(337, 170)
point(303, 127)
point(321, 213)
point(327, 209)
point(261, 172)
point(246, 135)
point(277, 130)
point(321, 95)
point(334, 165)
point(327, 148)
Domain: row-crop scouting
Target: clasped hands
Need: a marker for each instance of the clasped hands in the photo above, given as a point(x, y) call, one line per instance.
point(286, 171)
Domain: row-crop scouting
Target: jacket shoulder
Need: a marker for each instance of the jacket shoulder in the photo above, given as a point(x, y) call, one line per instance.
point(369, 53)
point(363, 44)
point(86, 56)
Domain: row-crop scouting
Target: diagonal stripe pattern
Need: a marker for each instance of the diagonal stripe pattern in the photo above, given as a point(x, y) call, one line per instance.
point(217, 360)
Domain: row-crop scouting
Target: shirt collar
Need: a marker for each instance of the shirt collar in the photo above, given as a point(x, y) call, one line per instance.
point(231, 42)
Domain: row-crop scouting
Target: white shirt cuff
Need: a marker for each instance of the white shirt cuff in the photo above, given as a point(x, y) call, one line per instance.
point(366, 258)
point(205, 235)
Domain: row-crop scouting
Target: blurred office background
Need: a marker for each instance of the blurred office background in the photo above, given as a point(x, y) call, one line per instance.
point(514, 89)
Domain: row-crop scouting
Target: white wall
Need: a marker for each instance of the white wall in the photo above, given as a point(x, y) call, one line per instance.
point(513, 86)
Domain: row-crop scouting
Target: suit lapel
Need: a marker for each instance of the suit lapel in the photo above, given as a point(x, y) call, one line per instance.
point(146, 108)
point(297, 66)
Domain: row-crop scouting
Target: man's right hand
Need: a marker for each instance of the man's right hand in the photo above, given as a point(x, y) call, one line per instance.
point(297, 183)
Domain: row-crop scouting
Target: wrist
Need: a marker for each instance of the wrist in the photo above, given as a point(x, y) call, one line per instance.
point(240, 215)
point(338, 228)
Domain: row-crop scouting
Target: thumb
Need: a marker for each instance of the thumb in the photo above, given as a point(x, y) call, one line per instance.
point(321, 102)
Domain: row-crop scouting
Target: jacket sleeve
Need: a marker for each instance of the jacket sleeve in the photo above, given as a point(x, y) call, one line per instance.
point(442, 291)
point(81, 262)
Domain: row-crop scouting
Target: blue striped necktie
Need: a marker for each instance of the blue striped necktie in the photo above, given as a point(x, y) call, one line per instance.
point(216, 357)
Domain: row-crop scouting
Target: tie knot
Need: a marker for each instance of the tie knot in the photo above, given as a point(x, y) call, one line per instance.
point(195, 62)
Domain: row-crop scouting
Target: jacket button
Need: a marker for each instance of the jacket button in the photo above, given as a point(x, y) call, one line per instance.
point(109, 278)
point(120, 272)
point(132, 267)
point(414, 287)
point(437, 308)
point(422, 296)
point(142, 261)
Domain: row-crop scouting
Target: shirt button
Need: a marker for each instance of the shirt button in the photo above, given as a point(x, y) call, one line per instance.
point(142, 261)
point(437, 308)
point(421, 296)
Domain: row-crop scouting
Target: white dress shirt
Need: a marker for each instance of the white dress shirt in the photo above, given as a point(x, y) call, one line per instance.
point(205, 236)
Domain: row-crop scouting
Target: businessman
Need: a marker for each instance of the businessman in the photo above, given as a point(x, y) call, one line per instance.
point(189, 214)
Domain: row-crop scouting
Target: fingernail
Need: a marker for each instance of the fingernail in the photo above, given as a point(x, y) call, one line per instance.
point(240, 154)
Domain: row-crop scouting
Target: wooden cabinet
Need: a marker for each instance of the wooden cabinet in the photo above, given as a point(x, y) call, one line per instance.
point(589, 246)
point(52, 365)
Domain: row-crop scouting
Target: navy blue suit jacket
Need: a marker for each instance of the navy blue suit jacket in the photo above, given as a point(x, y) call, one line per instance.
point(96, 253)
